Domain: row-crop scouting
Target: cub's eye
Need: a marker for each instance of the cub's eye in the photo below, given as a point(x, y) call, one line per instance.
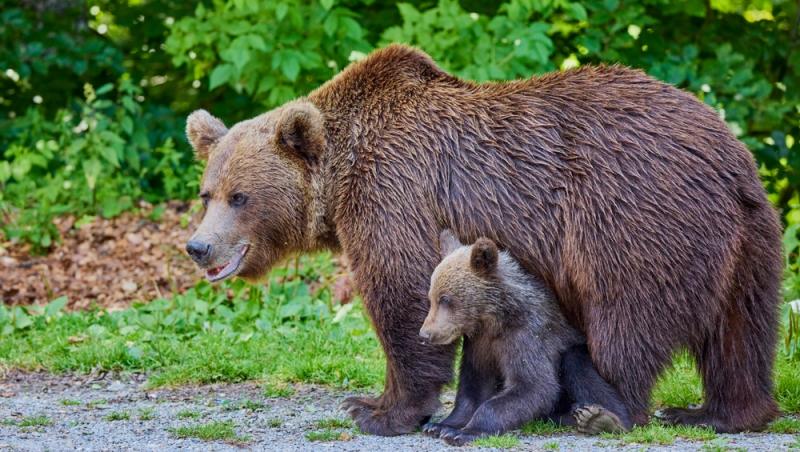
point(238, 199)
point(445, 300)
point(205, 197)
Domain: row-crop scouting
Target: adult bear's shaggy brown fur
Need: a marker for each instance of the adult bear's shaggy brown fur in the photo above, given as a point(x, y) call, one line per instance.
point(629, 198)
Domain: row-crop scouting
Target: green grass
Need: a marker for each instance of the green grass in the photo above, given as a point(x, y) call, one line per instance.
point(279, 334)
point(552, 445)
point(328, 434)
point(33, 421)
point(243, 405)
point(147, 414)
point(795, 444)
point(785, 425)
point(506, 441)
point(201, 336)
point(681, 386)
point(334, 422)
point(543, 428)
point(655, 433)
point(95, 404)
point(278, 390)
point(188, 414)
point(332, 429)
point(719, 445)
point(212, 431)
point(70, 402)
point(118, 416)
point(275, 423)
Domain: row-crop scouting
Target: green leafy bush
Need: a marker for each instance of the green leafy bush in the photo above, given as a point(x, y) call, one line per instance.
point(273, 51)
point(515, 43)
point(95, 159)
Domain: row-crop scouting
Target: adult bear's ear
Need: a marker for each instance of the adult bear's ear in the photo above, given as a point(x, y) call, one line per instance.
point(300, 129)
point(203, 132)
point(483, 258)
point(448, 242)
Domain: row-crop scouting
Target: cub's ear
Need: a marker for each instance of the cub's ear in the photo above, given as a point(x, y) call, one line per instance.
point(448, 242)
point(301, 129)
point(203, 132)
point(483, 258)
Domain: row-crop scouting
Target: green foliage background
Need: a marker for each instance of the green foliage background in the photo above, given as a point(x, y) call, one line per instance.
point(93, 93)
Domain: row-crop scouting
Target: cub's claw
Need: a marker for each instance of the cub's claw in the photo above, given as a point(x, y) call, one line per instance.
point(456, 437)
point(433, 429)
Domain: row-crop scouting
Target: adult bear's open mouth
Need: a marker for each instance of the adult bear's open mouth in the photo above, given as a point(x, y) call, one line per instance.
point(228, 268)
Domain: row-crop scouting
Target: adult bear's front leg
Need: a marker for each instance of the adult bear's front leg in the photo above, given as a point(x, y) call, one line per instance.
point(393, 280)
point(415, 373)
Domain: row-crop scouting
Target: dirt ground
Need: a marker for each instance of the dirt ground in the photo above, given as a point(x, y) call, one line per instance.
point(116, 412)
point(138, 256)
point(104, 263)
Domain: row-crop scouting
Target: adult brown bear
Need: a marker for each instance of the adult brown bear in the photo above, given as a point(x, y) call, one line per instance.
point(628, 197)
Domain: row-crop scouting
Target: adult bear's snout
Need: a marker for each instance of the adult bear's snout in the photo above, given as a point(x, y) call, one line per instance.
point(199, 251)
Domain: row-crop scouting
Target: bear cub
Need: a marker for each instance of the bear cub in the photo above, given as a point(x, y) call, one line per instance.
point(521, 360)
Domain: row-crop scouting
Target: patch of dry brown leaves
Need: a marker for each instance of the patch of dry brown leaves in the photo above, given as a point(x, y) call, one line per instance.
point(109, 263)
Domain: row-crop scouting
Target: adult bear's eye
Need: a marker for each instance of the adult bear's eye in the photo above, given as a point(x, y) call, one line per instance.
point(238, 199)
point(444, 300)
point(205, 197)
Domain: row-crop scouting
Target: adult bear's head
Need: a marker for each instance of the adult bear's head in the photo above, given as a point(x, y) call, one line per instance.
point(256, 188)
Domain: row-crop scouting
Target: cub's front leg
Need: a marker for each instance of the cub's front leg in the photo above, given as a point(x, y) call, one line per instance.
point(474, 387)
point(531, 392)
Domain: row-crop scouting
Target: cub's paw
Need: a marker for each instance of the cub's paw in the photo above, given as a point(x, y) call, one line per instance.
point(433, 429)
point(458, 437)
point(594, 419)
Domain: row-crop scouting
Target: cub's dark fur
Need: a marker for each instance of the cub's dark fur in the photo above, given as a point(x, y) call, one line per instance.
point(516, 343)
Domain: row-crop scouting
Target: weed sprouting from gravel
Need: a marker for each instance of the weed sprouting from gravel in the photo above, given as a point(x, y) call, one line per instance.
point(278, 390)
point(188, 414)
point(328, 434)
point(655, 433)
point(212, 431)
point(332, 423)
point(506, 441)
point(275, 423)
point(118, 416)
point(34, 421)
point(70, 402)
point(147, 414)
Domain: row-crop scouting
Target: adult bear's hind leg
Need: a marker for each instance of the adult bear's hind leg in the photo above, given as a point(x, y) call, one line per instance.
point(736, 359)
point(628, 355)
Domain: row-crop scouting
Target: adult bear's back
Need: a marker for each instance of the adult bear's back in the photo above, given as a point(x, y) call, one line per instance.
point(603, 179)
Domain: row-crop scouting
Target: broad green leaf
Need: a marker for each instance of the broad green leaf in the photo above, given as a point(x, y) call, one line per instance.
point(290, 66)
point(220, 75)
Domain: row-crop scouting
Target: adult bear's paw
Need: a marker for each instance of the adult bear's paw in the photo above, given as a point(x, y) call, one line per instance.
point(691, 416)
point(374, 418)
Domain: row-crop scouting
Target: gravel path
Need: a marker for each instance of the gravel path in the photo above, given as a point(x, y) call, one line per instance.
point(78, 413)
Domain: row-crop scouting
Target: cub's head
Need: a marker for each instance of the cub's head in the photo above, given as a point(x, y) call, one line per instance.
point(464, 288)
point(255, 189)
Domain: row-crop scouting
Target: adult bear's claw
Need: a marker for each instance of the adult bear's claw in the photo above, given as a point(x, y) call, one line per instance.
point(372, 418)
